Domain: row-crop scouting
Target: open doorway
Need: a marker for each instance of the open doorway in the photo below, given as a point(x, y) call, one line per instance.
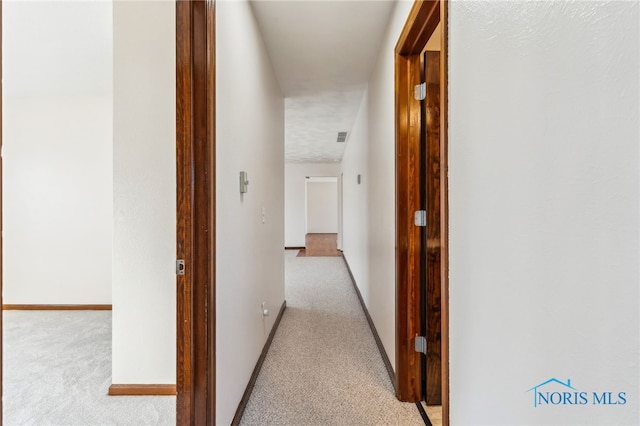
point(340, 210)
point(422, 209)
point(321, 216)
point(207, 373)
point(61, 79)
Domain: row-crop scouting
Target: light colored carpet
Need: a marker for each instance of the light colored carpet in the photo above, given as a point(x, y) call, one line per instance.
point(57, 370)
point(324, 367)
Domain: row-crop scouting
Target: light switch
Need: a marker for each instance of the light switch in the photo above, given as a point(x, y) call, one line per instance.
point(244, 182)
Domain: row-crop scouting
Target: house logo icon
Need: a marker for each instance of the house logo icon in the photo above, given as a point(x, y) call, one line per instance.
point(556, 392)
point(564, 394)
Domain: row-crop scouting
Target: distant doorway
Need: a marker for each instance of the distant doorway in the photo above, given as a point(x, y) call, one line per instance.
point(321, 216)
point(321, 205)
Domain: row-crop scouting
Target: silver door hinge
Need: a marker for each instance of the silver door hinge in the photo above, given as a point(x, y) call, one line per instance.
point(421, 344)
point(420, 91)
point(420, 218)
point(180, 267)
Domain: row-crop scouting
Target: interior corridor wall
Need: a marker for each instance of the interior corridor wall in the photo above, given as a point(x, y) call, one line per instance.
point(544, 211)
point(355, 242)
point(382, 237)
point(144, 198)
point(57, 161)
point(294, 190)
point(250, 226)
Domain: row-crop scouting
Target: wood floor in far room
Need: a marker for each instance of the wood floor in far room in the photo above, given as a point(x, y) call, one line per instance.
point(320, 245)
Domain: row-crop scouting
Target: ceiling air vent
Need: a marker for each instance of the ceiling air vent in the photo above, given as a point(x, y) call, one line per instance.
point(342, 137)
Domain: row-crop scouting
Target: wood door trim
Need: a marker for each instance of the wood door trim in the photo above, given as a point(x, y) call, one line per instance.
point(421, 23)
point(141, 390)
point(1, 216)
point(256, 371)
point(195, 230)
point(444, 206)
point(35, 307)
point(184, 373)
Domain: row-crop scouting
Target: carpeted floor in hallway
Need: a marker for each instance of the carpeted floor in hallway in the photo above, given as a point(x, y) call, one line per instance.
point(324, 367)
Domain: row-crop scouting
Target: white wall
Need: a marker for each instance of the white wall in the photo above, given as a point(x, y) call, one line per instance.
point(543, 208)
point(144, 218)
point(57, 132)
point(382, 234)
point(355, 243)
point(295, 178)
point(322, 207)
point(369, 208)
point(250, 255)
point(57, 200)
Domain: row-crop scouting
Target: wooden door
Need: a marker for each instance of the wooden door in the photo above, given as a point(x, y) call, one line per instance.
point(411, 259)
point(431, 240)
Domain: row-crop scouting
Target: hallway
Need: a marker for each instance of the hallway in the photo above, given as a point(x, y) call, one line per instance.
point(323, 366)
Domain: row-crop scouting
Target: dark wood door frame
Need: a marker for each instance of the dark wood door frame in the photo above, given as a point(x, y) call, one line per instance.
point(1, 216)
point(195, 160)
point(421, 23)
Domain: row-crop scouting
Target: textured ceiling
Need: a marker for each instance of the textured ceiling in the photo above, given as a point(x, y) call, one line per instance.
point(323, 52)
point(312, 124)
